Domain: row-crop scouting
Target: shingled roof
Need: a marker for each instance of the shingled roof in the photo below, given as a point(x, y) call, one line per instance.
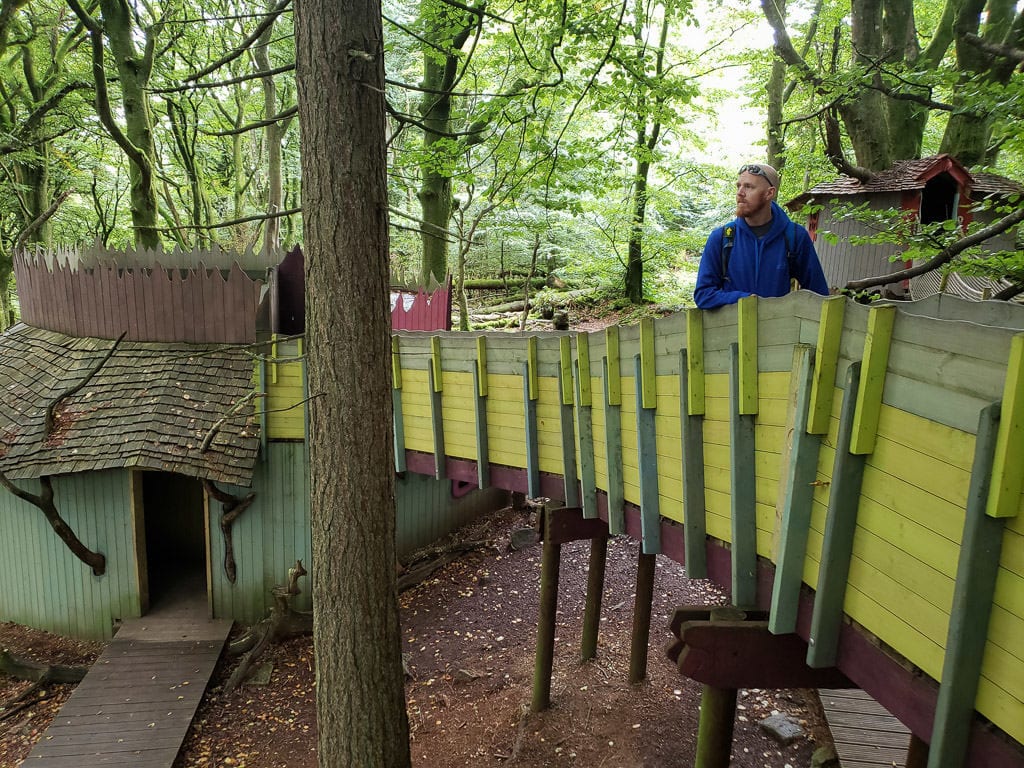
point(150, 406)
point(907, 175)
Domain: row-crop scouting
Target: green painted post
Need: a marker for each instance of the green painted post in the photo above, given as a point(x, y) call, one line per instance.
point(588, 473)
point(483, 462)
point(837, 548)
point(796, 504)
point(647, 463)
point(568, 426)
point(969, 615)
point(691, 428)
point(742, 487)
point(532, 449)
point(595, 591)
point(641, 617)
point(613, 449)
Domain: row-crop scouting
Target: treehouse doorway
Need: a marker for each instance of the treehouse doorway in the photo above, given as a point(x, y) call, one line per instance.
point(175, 523)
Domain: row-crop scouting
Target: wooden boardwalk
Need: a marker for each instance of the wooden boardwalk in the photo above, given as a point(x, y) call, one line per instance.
point(864, 733)
point(135, 705)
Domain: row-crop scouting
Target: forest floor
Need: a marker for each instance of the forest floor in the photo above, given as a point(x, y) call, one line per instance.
point(468, 636)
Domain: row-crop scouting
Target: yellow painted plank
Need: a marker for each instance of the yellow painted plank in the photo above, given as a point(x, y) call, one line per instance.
point(872, 380)
point(747, 319)
point(481, 364)
point(830, 330)
point(611, 345)
point(396, 363)
point(1007, 474)
point(583, 362)
point(695, 362)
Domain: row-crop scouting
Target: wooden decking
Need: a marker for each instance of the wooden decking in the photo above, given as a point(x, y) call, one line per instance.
point(864, 733)
point(135, 705)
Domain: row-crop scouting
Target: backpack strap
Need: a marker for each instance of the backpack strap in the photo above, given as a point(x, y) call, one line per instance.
point(728, 236)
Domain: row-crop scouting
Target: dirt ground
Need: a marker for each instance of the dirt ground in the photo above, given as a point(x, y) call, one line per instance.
point(468, 636)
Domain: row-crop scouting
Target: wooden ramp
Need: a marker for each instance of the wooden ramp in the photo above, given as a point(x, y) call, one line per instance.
point(135, 705)
point(864, 733)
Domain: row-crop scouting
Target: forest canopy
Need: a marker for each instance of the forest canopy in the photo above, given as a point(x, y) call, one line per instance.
point(599, 140)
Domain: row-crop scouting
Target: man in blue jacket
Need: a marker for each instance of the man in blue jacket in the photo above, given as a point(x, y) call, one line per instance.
point(758, 253)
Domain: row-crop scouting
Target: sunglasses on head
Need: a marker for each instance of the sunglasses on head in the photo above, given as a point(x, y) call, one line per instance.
point(757, 170)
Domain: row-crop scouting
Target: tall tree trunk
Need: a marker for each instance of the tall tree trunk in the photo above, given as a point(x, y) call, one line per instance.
point(361, 715)
point(272, 134)
point(447, 29)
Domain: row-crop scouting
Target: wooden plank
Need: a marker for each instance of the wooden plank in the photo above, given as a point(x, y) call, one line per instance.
point(483, 461)
point(646, 368)
point(695, 362)
point(742, 490)
point(875, 363)
point(837, 548)
point(647, 463)
point(1007, 477)
point(613, 374)
point(797, 502)
point(584, 391)
point(567, 422)
point(692, 457)
point(585, 443)
point(613, 447)
point(436, 422)
point(530, 422)
point(481, 366)
point(830, 331)
point(863, 732)
point(977, 568)
point(135, 705)
point(747, 343)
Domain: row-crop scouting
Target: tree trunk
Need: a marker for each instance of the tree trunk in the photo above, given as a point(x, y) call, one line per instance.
point(361, 716)
point(133, 72)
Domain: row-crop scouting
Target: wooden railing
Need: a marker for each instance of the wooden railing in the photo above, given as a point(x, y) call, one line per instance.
point(855, 471)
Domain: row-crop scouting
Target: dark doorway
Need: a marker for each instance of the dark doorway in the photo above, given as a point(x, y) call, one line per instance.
point(175, 538)
point(939, 199)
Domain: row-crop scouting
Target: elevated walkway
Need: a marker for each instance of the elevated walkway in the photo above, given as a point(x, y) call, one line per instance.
point(135, 705)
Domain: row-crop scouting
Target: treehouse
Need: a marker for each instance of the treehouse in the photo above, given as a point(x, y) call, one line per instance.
point(154, 438)
point(931, 190)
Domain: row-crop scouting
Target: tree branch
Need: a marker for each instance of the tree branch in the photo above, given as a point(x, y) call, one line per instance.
point(52, 407)
point(254, 37)
point(27, 232)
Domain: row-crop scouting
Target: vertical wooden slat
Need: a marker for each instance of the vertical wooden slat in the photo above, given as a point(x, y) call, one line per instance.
point(973, 596)
point(398, 417)
point(584, 393)
point(647, 382)
point(837, 547)
point(797, 502)
point(1007, 477)
point(565, 373)
point(647, 462)
point(869, 394)
point(530, 413)
point(613, 449)
point(830, 333)
point(585, 443)
point(567, 419)
point(695, 362)
point(436, 422)
point(691, 428)
point(533, 390)
point(481, 365)
point(483, 462)
point(747, 337)
point(435, 364)
point(613, 374)
point(742, 484)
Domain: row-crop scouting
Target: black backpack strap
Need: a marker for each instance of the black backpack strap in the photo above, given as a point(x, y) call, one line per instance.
point(728, 236)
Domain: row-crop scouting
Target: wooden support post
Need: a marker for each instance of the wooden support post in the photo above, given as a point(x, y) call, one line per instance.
point(717, 712)
point(549, 567)
point(595, 590)
point(559, 526)
point(641, 617)
point(742, 486)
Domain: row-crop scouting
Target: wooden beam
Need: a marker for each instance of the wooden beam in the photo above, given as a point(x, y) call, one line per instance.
point(1007, 477)
point(695, 362)
point(830, 334)
point(613, 448)
point(747, 318)
point(691, 429)
point(872, 383)
point(745, 654)
point(647, 463)
point(742, 483)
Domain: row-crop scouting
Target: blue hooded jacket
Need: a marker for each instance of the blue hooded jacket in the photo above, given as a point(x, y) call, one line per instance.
point(758, 267)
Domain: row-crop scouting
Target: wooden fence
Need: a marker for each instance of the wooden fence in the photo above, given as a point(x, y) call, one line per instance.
point(855, 471)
